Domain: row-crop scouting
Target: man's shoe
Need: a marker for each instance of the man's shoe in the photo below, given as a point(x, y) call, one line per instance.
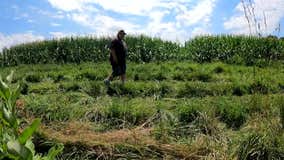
point(107, 82)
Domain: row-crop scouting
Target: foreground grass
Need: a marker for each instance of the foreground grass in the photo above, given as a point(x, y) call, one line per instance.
point(165, 111)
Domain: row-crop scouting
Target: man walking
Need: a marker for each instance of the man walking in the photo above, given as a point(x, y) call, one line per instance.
point(117, 58)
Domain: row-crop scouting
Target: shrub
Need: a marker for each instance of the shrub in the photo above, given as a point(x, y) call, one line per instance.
point(234, 115)
point(219, 69)
point(33, 78)
point(206, 124)
point(281, 86)
point(194, 90)
point(200, 76)
point(261, 147)
point(281, 106)
point(240, 89)
point(165, 89)
point(187, 113)
point(88, 75)
point(58, 78)
point(159, 76)
point(70, 86)
point(126, 115)
point(165, 127)
point(259, 87)
point(136, 77)
point(25, 89)
point(95, 89)
point(179, 76)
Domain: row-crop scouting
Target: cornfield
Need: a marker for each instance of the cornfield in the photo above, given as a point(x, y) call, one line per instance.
point(226, 48)
point(236, 49)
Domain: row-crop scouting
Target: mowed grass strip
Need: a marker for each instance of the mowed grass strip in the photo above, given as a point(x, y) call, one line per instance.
point(181, 109)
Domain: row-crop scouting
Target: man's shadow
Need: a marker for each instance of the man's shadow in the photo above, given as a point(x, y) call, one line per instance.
point(117, 90)
point(111, 91)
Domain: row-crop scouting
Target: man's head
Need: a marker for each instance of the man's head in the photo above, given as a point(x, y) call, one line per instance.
point(121, 34)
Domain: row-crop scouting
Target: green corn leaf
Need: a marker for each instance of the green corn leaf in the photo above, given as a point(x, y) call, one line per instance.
point(18, 150)
point(2, 118)
point(2, 156)
point(29, 144)
point(54, 151)
point(15, 95)
point(9, 78)
point(28, 132)
point(4, 90)
point(9, 117)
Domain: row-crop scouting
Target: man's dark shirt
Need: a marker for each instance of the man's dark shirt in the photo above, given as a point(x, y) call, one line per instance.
point(120, 51)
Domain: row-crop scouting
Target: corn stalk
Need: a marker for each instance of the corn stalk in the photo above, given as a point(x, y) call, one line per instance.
point(14, 143)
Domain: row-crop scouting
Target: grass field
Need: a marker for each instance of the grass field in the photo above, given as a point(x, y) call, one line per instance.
point(166, 110)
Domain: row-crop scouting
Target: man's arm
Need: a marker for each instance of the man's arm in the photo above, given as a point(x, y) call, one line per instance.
point(113, 54)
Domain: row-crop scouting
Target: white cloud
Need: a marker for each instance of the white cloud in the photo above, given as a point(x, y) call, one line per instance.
point(31, 21)
point(60, 34)
point(184, 13)
point(30, 31)
point(238, 24)
point(14, 39)
point(200, 13)
point(15, 7)
point(21, 16)
point(273, 10)
point(103, 24)
point(165, 30)
point(55, 24)
point(56, 15)
point(138, 7)
point(68, 5)
point(199, 31)
point(135, 7)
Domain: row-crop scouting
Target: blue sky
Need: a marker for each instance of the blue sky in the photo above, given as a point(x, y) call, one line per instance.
point(176, 20)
